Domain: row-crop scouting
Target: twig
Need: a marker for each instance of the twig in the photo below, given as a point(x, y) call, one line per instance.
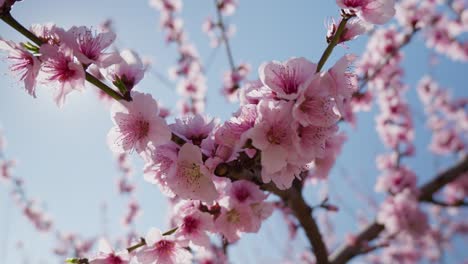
point(224, 36)
point(334, 41)
point(372, 231)
point(11, 21)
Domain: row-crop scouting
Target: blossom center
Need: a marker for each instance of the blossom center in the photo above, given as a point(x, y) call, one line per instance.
point(233, 216)
point(192, 172)
point(275, 136)
point(190, 224)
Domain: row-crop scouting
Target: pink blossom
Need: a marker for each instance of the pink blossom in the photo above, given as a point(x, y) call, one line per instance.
point(373, 11)
point(457, 190)
point(401, 213)
point(49, 33)
point(89, 48)
point(315, 105)
point(312, 140)
point(321, 167)
point(354, 28)
point(192, 179)
point(232, 81)
point(108, 256)
point(233, 220)
point(231, 131)
point(129, 71)
point(162, 250)
point(245, 192)
point(194, 128)
point(260, 212)
point(162, 165)
point(396, 180)
point(345, 82)
point(60, 67)
point(194, 87)
point(193, 224)
point(283, 178)
point(137, 125)
point(227, 7)
point(287, 78)
point(273, 134)
point(23, 63)
point(253, 91)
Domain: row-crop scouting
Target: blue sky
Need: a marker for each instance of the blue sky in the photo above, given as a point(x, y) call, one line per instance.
point(62, 152)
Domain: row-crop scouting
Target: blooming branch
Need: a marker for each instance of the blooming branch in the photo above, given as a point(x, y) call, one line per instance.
point(372, 231)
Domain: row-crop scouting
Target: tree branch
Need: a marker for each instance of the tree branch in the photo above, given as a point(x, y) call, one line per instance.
point(372, 231)
point(224, 36)
point(12, 22)
point(245, 168)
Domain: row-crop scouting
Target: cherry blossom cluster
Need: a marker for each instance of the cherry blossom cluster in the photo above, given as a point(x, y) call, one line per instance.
point(218, 174)
point(447, 118)
point(219, 33)
point(63, 57)
point(192, 83)
point(31, 208)
point(443, 31)
point(232, 80)
point(210, 26)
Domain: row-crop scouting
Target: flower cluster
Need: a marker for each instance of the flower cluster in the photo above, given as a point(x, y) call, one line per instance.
point(63, 57)
point(447, 118)
point(192, 82)
point(31, 208)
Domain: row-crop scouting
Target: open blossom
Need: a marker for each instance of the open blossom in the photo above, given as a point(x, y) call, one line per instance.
point(162, 250)
point(193, 224)
point(315, 105)
point(287, 78)
point(129, 71)
point(372, 11)
point(49, 33)
point(345, 82)
point(107, 255)
point(354, 28)
point(89, 48)
point(195, 128)
point(162, 165)
point(60, 67)
point(233, 220)
point(137, 125)
point(23, 63)
point(192, 179)
point(273, 134)
point(457, 190)
point(401, 213)
point(396, 180)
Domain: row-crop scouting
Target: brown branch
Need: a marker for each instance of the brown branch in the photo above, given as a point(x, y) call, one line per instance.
point(459, 203)
point(245, 168)
point(373, 230)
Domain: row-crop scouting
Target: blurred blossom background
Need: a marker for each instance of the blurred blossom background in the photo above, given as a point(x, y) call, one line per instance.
point(66, 165)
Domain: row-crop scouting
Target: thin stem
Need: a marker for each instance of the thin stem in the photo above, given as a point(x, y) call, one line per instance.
point(12, 22)
point(224, 36)
point(334, 41)
point(96, 82)
point(138, 245)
